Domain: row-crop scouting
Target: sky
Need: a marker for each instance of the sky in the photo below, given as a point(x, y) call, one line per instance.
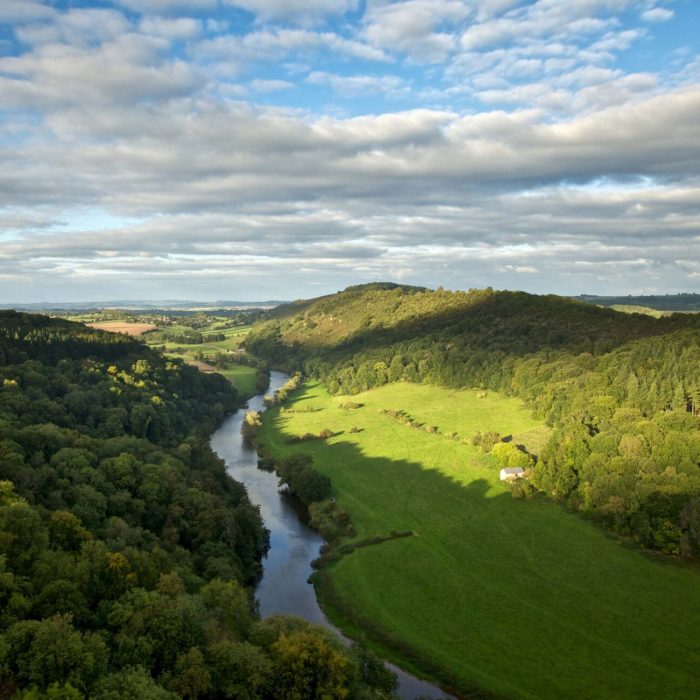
point(277, 149)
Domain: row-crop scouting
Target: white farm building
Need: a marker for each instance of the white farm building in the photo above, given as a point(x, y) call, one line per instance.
point(510, 473)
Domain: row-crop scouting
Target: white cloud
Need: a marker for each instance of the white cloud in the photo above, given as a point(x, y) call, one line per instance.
point(270, 85)
point(552, 18)
point(19, 11)
point(355, 85)
point(166, 7)
point(490, 8)
point(127, 70)
point(307, 12)
point(180, 28)
point(77, 27)
point(234, 53)
point(189, 156)
point(657, 14)
point(582, 167)
point(413, 27)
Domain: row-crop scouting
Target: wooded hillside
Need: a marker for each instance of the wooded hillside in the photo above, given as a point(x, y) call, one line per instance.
point(621, 390)
point(125, 548)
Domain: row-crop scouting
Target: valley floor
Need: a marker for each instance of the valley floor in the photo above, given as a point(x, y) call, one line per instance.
point(521, 599)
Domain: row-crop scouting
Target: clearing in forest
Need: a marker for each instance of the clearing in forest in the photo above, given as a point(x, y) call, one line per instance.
point(517, 597)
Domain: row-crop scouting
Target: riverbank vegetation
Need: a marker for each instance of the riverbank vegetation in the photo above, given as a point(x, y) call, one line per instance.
point(484, 593)
point(126, 551)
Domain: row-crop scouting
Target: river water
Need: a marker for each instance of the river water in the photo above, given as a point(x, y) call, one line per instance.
point(284, 586)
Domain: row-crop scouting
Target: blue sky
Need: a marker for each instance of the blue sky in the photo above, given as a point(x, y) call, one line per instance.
point(249, 149)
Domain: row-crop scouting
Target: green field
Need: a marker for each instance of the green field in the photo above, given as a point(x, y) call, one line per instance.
point(519, 598)
point(242, 377)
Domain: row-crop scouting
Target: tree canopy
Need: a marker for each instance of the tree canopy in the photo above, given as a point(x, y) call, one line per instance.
point(126, 551)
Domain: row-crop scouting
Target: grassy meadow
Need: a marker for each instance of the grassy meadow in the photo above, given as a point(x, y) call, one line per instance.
point(521, 598)
point(242, 377)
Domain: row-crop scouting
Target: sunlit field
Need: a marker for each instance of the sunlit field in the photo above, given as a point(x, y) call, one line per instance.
point(517, 597)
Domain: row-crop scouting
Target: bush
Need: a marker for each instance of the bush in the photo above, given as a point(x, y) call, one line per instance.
point(325, 434)
point(485, 441)
point(251, 424)
point(303, 480)
point(509, 455)
point(522, 488)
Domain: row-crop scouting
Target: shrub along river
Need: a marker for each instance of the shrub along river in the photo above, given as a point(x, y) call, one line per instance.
point(284, 586)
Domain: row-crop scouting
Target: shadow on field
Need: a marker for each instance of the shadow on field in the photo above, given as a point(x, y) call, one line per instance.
point(484, 578)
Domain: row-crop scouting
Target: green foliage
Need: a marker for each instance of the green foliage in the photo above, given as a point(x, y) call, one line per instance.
point(283, 393)
point(330, 520)
point(508, 455)
point(308, 666)
point(486, 440)
point(302, 480)
point(251, 424)
point(132, 682)
point(124, 545)
point(240, 669)
point(621, 390)
point(325, 434)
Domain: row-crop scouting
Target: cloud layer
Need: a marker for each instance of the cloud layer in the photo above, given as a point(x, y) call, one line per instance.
point(250, 149)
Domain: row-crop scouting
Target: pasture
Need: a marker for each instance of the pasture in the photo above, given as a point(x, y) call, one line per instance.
point(519, 598)
point(242, 377)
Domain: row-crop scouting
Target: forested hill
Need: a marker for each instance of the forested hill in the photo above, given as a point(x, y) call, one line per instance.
point(621, 390)
point(106, 384)
point(511, 322)
point(124, 546)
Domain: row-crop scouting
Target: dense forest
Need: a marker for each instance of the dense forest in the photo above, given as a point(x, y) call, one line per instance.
point(621, 391)
point(126, 552)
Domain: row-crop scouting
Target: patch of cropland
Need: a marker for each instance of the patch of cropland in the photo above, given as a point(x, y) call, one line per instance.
point(451, 576)
point(621, 390)
point(125, 548)
point(127, 327)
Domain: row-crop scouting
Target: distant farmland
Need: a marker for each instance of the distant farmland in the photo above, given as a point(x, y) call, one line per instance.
point(133, 329)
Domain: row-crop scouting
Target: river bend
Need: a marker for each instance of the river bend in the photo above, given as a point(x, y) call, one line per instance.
point(284, 586)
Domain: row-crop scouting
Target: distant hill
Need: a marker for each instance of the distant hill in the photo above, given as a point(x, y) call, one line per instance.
point(660, 302)
point(621, 390)
point(379, 315)
point(142, 305)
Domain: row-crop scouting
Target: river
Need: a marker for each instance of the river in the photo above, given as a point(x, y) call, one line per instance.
point(284, 586)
